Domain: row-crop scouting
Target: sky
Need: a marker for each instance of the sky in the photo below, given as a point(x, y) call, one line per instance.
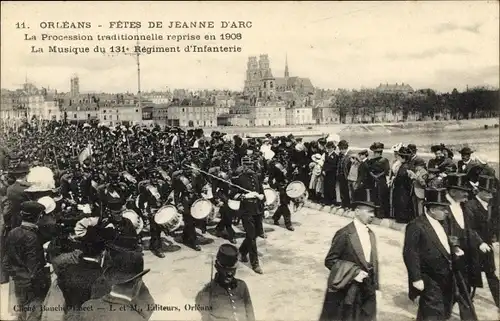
point(352, 45)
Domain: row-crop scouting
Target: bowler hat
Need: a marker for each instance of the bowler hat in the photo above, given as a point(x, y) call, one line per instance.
point(435, 196)
point(466, 151)
point(126, 267)
point(227, 256)
point(487, 183)
point(365, 198)
point(31, 210)
point(457, 181)
point(330, 144)
point(377, 147)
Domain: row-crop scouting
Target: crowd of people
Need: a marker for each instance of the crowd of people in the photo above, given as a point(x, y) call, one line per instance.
point(78, 199)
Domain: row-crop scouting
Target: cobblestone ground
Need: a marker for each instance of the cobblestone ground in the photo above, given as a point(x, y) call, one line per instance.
point(293, 284)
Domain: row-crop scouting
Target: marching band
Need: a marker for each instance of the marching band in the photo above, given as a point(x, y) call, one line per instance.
point(100, 190)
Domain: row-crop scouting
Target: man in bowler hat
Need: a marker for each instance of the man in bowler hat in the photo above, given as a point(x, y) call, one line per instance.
point(466, 163)
point(428, 258)
point(25, 262)
point(226, 297)
point(353, 264)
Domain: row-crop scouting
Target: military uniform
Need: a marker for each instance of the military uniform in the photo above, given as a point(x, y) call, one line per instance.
point(76, 188)
point(149, 201)
point(186, 192)
point(221, 193)
point(279, 181)
point(249, 210)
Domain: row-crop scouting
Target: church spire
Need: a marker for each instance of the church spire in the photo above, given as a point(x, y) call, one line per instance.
point(286, 66)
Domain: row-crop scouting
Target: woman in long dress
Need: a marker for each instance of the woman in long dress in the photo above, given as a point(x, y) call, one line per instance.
point(402, 204)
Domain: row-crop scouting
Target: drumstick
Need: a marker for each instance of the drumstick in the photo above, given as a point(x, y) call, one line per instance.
point(220, 179)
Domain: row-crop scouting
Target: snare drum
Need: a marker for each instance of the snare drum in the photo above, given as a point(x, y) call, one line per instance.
point(167, 217)
point(135, 219)
point(201, 209)
point(272, 199)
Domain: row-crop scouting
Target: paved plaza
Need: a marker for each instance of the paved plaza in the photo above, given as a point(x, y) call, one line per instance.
point(294, 280)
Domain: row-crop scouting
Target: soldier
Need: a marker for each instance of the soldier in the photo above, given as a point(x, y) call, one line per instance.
point(113, 187)
point(153, 193)
point(227, 296)
point(249, 208)
point(25, 261)
point(278, 181)
point(188, 187)
point(221, 193)
point(119, 229)
point(76, 185)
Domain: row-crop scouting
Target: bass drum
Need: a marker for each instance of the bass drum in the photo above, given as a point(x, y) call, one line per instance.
point(136, 220)
point(296, 190)
point(167, 217)
point(201, 209)
point(272, 199)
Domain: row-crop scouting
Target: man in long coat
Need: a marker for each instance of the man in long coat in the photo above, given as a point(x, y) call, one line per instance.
point(343, 167)
point(428, 259)
point(353, 264)
point(330, 172)
point(479, 209)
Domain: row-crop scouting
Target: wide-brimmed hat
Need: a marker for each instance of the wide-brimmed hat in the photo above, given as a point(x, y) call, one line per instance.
point(377, 147)
point(365, 198)
point(436, 148)
point(126, 267)
point(435, 196)
point(457, 181)
point(227, 257)
point(404, 151)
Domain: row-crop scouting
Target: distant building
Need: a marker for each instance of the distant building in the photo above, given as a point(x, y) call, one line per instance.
point(260, 82)
point(299, 116)
point(193, 113)
point(394, 88)
point(160, 113)
point(271, 114)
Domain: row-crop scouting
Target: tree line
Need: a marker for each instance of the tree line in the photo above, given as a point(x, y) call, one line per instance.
point(478, 102)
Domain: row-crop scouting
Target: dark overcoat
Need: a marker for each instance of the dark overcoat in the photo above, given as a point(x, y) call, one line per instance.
point(426, 259)
point(346, 246)
point(402, 196)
